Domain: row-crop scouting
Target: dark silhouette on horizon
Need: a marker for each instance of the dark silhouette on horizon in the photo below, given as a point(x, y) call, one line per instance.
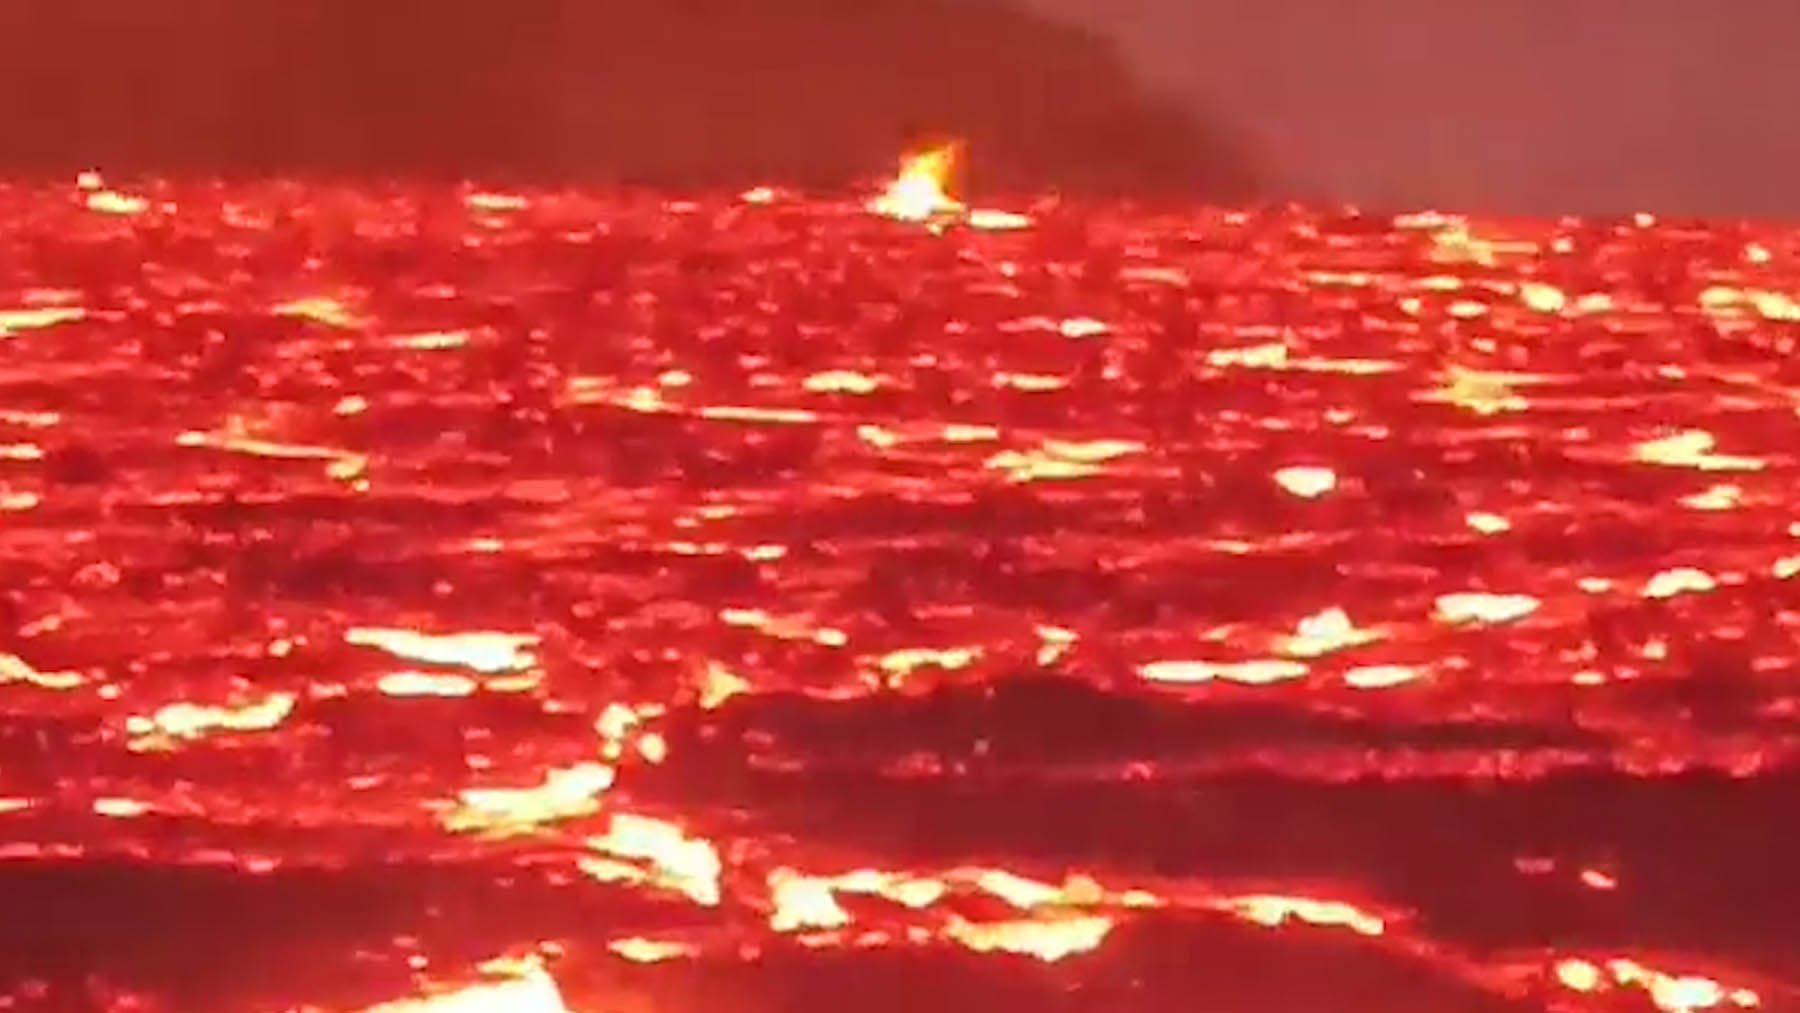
point(668, 92)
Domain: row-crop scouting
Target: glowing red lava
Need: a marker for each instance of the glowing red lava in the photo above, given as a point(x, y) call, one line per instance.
point(462, 599)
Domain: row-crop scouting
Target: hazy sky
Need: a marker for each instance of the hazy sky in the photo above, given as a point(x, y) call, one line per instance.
point(1607, 105)
point(1510, 105)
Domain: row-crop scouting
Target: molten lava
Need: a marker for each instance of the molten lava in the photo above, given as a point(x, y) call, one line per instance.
point(747, 602)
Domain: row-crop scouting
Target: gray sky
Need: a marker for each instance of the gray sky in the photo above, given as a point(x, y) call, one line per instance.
point(1534, 105)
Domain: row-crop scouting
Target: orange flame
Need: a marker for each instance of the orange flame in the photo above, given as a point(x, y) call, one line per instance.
point(920, 191)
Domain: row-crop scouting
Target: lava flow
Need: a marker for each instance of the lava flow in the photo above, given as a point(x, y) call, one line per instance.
point(444, 599)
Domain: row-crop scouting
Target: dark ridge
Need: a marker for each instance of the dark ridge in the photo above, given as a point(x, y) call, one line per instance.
point(667, 92)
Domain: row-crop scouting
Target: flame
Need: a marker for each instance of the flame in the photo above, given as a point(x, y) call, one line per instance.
point(920, 192)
